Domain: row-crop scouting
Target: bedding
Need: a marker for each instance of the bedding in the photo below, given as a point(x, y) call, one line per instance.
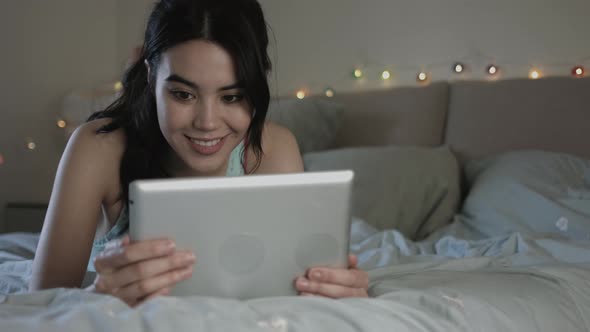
point(415, 287)
point(529, 191)
point(412, 189)
point(456, 279)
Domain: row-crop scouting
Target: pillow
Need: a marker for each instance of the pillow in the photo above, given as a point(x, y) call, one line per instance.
point(530, 192)
point(414, 190)
point(313, 122)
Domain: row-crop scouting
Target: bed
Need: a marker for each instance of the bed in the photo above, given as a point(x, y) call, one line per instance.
point(471, 212)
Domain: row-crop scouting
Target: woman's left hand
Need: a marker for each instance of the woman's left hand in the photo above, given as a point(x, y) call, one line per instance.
point(334, 282)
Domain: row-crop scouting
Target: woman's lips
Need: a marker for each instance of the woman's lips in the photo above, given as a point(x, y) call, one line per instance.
point(206, 147)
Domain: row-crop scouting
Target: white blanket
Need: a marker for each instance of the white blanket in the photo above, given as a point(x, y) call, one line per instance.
point(447, 283)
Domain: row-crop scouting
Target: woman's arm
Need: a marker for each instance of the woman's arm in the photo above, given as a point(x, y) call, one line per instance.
point(80, 186)
point(87, 177)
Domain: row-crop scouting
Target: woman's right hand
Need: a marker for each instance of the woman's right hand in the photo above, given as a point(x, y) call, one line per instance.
point(138, 271)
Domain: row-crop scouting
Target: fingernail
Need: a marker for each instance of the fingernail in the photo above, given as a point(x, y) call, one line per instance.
point(188, 257)
point(303, 283)
point(316, 275)
point(165, 247)
point(187, 272)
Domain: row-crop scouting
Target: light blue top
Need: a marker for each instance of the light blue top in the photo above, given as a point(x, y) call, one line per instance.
point(121, 227)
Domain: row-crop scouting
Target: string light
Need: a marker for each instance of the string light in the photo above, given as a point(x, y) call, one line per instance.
point(357, 73)
point(300, 94)
point(578, 71)
point(31, 145)
point(534, 74)
point(458, 67)
point(422, 77)
point(492, 70)
point(118, 86)
point(329, 92)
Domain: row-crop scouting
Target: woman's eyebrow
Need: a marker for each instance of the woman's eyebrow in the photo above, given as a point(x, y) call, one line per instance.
point(179, 79)
point(231, 87)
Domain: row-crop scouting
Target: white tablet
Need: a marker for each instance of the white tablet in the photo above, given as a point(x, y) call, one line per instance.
point(252, 235)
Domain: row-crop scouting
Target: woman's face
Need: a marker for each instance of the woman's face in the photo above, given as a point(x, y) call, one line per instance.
point(202, 111)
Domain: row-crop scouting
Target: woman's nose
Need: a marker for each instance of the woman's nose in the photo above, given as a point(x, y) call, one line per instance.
point(206, 116)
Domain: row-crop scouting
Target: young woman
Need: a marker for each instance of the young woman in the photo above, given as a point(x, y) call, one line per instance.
point(193, 104)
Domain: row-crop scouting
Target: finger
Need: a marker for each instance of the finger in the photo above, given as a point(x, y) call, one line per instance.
point(125, 240)
point(352, 261)
point(116, 258)
point(328, 290)
point(149, 268)
point(162, 292)
point(348, 278)
point(100, 286)
point(145, 287)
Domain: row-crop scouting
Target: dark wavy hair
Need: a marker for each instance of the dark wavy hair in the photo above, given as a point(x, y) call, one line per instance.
point(238, 26)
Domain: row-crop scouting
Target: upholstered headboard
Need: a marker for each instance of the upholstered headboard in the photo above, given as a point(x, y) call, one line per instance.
point(395, 116)
point(476, 118)
point(552, 114)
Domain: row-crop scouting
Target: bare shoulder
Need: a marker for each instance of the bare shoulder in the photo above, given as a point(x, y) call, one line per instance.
point(281, 152)
point(100, 153)
point(112, 143)
point(277, 136)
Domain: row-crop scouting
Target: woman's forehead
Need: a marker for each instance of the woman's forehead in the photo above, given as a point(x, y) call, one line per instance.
point(202, 62)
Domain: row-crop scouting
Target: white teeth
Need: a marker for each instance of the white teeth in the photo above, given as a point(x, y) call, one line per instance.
point(206, 143)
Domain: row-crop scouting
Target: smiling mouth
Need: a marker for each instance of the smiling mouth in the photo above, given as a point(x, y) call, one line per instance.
point(211, 142)
point(207, 146)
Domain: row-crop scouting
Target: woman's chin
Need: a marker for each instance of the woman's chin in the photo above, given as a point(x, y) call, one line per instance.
point(207, 169)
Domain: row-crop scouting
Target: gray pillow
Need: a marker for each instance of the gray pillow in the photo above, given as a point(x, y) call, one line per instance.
point(313, 122)
point(414, 190)
point(529, 192)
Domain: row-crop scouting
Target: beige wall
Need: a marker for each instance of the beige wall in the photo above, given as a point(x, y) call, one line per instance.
point(46, 52)
point(319, 42)
point(131, 19)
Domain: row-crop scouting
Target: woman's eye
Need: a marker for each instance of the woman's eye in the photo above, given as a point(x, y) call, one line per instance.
point(183, 96)
point(230, 99)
